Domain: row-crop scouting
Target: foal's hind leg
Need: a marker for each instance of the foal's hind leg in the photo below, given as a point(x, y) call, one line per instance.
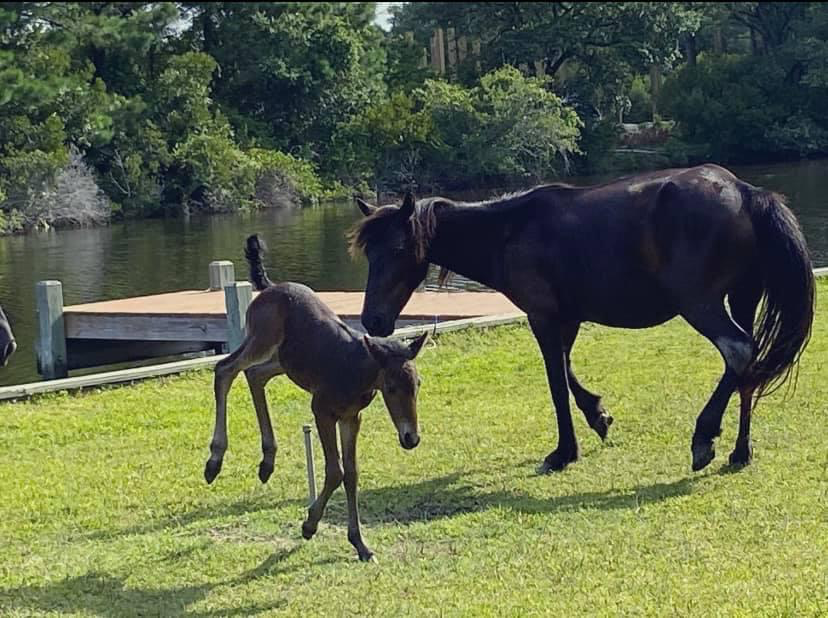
point(589, 403)
point(257, 378)
point(743, 303)
point(736, 347)
point(251, 352)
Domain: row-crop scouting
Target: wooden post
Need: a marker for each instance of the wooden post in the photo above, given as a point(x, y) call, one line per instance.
point(462, 48)
point(237, 298)
point(438, 52)
point(51, 342)
point(452, 49)
point(222, 273)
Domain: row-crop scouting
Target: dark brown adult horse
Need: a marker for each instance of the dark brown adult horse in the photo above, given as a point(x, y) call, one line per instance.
point(632, 253)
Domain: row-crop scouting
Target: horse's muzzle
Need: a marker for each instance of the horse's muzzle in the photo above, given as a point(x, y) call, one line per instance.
point(409, 440)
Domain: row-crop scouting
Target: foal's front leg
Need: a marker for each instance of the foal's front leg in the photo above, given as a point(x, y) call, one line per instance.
point(548, 334)
point(326, 425)
point(349, 430)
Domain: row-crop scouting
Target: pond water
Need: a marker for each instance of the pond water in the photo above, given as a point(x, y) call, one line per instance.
point(305, 244)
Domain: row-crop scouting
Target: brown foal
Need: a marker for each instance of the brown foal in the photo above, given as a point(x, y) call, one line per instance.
point(290, 330)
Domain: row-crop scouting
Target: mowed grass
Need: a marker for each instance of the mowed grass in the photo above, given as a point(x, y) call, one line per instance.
point(104, 510)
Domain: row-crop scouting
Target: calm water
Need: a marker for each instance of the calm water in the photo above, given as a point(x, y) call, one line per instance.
point(305, 244)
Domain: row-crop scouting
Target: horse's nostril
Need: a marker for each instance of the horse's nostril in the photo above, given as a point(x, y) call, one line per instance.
point(409, 440)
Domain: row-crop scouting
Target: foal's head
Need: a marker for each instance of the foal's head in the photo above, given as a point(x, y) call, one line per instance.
point(394, 240)
point(399, 383)
point(7, 342)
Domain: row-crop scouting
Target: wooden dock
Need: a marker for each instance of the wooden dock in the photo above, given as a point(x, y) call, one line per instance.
point(212, 320)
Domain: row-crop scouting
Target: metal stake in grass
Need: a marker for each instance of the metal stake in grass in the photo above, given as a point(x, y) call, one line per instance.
point(309, 458)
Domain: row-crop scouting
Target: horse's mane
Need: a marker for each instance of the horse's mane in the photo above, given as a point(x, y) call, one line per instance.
point(424, 220)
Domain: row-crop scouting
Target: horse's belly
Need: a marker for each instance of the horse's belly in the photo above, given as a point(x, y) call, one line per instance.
point(631, 308)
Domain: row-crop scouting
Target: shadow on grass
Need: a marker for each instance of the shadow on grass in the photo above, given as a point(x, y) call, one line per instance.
point(448, 496)
point(435, 498)
point(102, 594)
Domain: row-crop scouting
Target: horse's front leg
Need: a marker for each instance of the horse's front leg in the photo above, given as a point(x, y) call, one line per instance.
point(548, 334)
point(348, 432)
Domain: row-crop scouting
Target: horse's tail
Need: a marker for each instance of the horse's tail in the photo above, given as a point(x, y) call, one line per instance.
point(253, 250)
point(784, 325)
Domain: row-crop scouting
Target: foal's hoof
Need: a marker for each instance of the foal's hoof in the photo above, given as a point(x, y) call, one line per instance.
point(703, 454)
point(741, 456)
point(557, 461)
point(601, 425)
point(211, 470)
point(265, 470)
point(308, 530)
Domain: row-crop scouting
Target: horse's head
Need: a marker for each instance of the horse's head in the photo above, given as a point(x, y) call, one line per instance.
point(7, 343)
point(399, 383)
point(393, 242)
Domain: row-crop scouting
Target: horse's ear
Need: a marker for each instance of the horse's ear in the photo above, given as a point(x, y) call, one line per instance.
point(416, 345)
point(365, 207)
point(376, 350)
point(407, 208)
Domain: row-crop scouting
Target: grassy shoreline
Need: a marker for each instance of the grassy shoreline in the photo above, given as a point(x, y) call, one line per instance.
point(104, 510)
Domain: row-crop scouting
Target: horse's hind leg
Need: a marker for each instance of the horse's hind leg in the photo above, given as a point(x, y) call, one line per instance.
point(736, 347)
point(251, 352)
point(743, 302)
point(589, 403)
point(257, 378)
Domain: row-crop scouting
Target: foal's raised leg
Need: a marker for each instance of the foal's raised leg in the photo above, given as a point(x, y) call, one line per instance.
point(548, 334)
point(743, 303)
point(326, 425)
point(348, 432)
point(250, 352)
point(589, 403)
point(257, 378)
point(736, 347)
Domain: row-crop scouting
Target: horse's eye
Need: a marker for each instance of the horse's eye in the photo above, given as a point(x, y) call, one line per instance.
point(392, 390)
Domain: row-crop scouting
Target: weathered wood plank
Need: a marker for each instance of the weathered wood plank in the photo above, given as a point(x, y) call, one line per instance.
point(139, 373)
point(51, 342)
point(147, 328)
point(84, 353)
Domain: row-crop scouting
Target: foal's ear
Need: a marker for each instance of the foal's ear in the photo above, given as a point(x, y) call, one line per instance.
point(416, 345)
point(376, 350)
point(365, 207)
point(407, 208)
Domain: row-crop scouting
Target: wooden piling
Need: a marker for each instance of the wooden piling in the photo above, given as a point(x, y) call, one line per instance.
point(237, 298)
point(222, 273)
point(51, 341)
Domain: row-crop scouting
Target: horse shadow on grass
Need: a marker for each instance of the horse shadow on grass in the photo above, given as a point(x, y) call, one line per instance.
point(436, 498)
point(450, 495)
point(103, 594)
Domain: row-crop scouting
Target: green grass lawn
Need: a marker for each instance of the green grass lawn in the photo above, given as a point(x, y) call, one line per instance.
point(104, 510)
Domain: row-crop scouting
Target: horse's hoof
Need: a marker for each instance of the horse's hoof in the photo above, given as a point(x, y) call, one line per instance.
point(703, 454)
point(265, 470)
point(555, 462)
point(211, 470)
point(741, 456)
point(308, 530)
point(601, 425)
point(368, 556)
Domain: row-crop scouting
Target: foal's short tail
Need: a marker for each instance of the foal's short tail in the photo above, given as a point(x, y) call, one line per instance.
point(784, 326)
point(253, 251)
